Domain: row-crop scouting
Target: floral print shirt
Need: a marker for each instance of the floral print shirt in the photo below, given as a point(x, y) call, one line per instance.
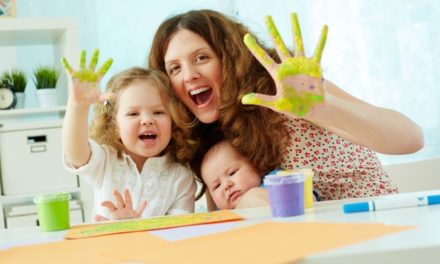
point(341, 169)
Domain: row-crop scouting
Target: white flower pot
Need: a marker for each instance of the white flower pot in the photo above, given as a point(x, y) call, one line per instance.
point(20, 101)
point(47, 98)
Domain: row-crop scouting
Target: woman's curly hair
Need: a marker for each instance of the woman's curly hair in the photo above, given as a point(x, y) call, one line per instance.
point(256, 132)
point(104, 128)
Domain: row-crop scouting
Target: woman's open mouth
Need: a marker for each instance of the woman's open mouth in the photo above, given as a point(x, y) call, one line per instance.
point(201, 96)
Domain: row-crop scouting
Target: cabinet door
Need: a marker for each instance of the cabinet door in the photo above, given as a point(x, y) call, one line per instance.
point(31, 162)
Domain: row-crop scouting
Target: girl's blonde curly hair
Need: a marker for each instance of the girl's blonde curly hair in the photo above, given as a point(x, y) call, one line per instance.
point(104, 128)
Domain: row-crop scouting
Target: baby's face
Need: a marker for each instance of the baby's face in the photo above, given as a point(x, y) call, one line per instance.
point(228, 175)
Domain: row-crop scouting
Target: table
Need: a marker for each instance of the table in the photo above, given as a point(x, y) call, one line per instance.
point(421, 244)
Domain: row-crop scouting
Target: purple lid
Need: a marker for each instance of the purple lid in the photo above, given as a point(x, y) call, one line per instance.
point(273, 179)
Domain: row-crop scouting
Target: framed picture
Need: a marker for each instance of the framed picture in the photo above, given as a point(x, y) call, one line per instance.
point(7, 8)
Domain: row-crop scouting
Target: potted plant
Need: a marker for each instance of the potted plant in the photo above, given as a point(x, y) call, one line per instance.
point(45, 79)
point(17, 79)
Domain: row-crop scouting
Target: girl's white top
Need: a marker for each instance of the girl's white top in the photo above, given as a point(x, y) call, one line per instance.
point(168, 187)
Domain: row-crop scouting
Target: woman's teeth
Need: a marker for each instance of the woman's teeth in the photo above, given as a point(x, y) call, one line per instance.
point(199, 90)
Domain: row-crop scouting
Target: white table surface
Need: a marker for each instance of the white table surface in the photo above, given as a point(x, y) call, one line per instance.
point(418, 245)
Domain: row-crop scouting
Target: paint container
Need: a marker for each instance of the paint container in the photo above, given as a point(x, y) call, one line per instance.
point(308, 183)
point(286, 194)
point(53, 211)
point(308, 188)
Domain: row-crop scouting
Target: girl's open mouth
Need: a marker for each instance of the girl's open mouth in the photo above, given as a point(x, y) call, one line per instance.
point(148, 136)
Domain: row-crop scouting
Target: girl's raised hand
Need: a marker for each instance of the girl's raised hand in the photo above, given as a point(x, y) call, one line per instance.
point(85, 81)
point(122, 208)
point(299, 82)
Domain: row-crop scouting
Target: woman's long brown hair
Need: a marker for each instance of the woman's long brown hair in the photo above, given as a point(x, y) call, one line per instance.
point(256, 132)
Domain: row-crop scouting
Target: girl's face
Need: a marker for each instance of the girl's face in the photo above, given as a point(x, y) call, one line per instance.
point(195, 74)
point(143, 121)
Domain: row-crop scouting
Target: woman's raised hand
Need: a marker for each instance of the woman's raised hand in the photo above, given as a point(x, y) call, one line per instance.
point(85, 81)
point(299, 82)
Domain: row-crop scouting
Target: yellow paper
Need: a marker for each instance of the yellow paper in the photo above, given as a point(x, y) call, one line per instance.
point(270, 242)
point(100, 229)
point(104, 249)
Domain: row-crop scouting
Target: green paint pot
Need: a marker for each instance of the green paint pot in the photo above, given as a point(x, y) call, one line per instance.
point(53, 211)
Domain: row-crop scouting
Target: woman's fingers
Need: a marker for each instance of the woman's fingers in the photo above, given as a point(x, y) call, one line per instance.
point(259, 53)
point(258, 99)
point(297, 36)
point(278, 42)
point(320, 46)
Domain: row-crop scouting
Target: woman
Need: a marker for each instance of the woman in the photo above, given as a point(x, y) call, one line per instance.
point(211, 69)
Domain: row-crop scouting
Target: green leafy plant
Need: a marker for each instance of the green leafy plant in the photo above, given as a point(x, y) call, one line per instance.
point(15, 78)
point(5, 80)
point(45, 77)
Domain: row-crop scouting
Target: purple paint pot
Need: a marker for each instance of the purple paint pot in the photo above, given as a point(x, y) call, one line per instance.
point(286, 194)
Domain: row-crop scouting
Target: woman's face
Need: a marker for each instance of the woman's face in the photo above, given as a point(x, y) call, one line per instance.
point(195, 74)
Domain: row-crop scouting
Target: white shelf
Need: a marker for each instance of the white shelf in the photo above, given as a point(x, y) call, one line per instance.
point(32, 111)
point(31, 118)
point(28, 199)
point(33, 31)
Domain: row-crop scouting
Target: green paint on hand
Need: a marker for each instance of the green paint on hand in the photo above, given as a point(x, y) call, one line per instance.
point(82, 62)
point(297, 36)
point(299, 65)
point(278, 41)
point(261, 55)
point(321, 44)
point(289, 99)
point(94, 60)
point(299, 104)
point(84, 74)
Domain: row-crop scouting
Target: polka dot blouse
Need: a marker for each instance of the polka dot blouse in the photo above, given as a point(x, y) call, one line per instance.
point(342, 169)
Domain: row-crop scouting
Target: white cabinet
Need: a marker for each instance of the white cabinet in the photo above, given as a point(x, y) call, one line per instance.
point(31, 164)
point(31, 160)
point(30, 138)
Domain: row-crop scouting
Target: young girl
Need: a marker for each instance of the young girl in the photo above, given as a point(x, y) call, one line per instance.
point(132, 148)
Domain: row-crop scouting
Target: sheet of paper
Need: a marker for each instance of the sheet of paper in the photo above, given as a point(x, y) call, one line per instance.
point(180, 233)
point(103, 249)
point(99, 229)
point(270, 242)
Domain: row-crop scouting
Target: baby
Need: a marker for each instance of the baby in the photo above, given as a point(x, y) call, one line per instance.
point(231, 179)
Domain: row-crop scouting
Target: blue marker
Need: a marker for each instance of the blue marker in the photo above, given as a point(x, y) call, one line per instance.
point(391, 203)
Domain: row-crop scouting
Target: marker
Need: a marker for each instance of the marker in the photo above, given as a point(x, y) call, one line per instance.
point(391, 203)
